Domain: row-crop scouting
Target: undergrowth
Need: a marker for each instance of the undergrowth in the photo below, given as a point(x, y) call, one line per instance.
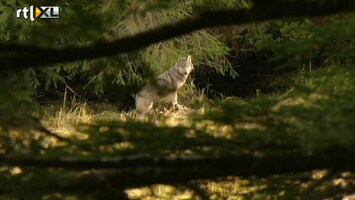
point(315, 114)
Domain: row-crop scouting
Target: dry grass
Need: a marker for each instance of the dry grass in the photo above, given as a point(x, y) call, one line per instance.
point(65, 120)
point(66, 117)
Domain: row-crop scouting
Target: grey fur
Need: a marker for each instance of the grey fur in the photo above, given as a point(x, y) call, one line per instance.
point(165, 86)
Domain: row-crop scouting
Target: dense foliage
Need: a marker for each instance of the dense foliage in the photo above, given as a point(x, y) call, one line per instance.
point(216, 51)
point(57, 141)
point(84, 23)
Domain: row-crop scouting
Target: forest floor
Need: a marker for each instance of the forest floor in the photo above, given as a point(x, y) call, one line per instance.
point(315, 113)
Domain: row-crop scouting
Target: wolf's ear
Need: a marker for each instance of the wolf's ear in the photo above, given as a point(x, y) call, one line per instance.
point(189, 58)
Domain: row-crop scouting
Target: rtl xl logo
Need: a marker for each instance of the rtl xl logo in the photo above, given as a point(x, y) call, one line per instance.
point(43, 12)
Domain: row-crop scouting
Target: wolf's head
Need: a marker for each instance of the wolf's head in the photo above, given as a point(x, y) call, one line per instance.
point(185, 66)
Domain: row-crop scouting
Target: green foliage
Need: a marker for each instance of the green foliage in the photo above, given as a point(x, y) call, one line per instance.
point(85, 23)
point(313, 41)
point(16, 106)
point(221, 5)
point(304, 42)
point(314, 115)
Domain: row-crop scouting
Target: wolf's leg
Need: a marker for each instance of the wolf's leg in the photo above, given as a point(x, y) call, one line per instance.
point(174, 98)
point(174, 101)
point(143, 105)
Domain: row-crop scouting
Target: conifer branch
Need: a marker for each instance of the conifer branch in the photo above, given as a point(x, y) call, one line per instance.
point(17, 56)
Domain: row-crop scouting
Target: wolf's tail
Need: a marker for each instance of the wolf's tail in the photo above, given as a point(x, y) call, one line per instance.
point(143, 105)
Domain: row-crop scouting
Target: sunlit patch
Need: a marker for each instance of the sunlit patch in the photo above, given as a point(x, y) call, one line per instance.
point(104, 129)
point(231, 187)
point(65, 120)
point(305, 185)
point(316, 96)
point(349, 197)
point(282, 193)
point(49, 142)
point(346, 174)
point(82, 136)
point(289, 102)
point(124, 146)
point(250, 126)
point(160, 192)
point(215, 129)
point(4, 169)
point(163, 190)
point(173, 117)
point(310, 99)
point(123, 132)
point(190, 134)
point(15, 171)
point(319, 174)
point(340, 182)
point(138, 193)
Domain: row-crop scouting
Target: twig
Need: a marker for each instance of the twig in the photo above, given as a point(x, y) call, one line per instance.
point(46, 131)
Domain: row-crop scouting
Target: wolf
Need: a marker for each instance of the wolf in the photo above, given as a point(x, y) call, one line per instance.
point(165, 86)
